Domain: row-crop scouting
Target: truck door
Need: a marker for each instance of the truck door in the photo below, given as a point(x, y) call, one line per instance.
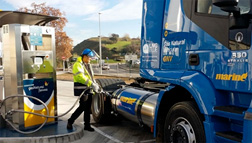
point(175, 36)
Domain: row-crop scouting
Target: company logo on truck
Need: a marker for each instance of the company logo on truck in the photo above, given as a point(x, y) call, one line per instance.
point(150, 48)
point(167, 58)
point(239, 37)
point(166, 33)
point(232, 77)
point(172, 47)
point(128, 100)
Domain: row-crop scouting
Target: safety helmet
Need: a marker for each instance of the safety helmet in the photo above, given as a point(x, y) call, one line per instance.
point(88, 52)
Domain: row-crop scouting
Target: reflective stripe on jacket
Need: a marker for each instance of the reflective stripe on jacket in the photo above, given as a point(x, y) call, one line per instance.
point(80, 73)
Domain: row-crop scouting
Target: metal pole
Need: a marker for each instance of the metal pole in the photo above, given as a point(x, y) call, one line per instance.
point(100, 49)
point(63, 65)
point(130, 67)
point(117, 69)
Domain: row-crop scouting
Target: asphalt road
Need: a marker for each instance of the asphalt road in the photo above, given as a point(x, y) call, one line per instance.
point(123, 131)
point(118, 69)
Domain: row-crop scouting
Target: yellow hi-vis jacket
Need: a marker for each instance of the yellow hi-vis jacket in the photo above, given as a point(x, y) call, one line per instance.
point(81, 75)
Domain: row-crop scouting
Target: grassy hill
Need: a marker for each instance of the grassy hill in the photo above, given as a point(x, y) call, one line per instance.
point(119, 45)
point(109, 49)
point(91, 44)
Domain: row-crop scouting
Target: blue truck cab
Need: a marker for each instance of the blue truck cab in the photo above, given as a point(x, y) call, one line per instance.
point(203, 49)
point(196, 79)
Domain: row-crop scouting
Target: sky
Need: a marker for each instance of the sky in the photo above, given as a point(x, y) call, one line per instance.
point(117, 16)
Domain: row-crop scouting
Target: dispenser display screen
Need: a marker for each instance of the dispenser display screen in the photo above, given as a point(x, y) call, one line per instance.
point(38, 61)
point(36, 35)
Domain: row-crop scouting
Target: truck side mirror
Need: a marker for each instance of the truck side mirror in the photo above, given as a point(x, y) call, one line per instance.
point(231, 6)
point(227, 5)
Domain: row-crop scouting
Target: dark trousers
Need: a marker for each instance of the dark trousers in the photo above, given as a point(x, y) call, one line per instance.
point(83, 106)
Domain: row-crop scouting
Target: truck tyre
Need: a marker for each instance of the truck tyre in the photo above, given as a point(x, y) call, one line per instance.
point(184, 124)
point(101, 103)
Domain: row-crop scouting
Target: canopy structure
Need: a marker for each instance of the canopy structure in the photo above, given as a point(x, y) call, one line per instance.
point(11, 17)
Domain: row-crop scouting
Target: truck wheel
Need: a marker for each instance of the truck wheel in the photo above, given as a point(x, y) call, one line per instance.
point(101, 109)
point(184, 124)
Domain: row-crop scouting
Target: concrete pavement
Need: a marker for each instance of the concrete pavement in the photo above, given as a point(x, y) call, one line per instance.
point(65, 100)
point(124, 131)
point(54, 132)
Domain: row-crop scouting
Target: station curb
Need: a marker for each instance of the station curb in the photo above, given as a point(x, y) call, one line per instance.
point(63, 138)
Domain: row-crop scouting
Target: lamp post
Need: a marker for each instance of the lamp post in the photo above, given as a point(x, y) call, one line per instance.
point(100, 49)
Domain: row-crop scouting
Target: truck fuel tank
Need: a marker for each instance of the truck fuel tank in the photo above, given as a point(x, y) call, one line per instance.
point(135, 104)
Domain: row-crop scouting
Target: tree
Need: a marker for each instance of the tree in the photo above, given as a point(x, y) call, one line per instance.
point(126, 37)
point(114, 37)
point(64, 43)
point(134, 48)
point(114, 50)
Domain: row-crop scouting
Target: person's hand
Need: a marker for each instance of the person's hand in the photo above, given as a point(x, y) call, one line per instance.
point(95, 87)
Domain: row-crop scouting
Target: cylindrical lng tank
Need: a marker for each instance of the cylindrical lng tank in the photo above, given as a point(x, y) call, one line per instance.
point(135, 104)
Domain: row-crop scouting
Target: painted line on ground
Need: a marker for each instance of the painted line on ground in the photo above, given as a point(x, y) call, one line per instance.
point(145, 141)
point(116, 140)
point(104, 134)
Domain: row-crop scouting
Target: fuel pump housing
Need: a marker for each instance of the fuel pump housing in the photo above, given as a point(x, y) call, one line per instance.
point(29, 66)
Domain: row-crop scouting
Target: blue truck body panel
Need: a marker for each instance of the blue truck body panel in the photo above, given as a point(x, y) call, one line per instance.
point(151, 36)
point(222, 76)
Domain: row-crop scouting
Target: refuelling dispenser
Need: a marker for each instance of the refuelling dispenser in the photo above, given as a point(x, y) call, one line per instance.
point(29, 66)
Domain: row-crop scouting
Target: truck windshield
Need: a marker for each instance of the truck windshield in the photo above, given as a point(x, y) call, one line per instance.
point(206, 6)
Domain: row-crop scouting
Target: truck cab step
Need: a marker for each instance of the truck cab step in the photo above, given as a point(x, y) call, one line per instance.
point(230, 135)
point(231, 112)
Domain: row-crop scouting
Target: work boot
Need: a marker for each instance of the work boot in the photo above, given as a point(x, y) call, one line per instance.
point(89, 128)
point(69, 126)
